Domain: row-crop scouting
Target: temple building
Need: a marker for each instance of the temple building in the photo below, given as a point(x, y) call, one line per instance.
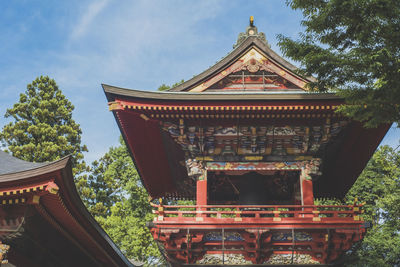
point(43, 221)
point(252, 148)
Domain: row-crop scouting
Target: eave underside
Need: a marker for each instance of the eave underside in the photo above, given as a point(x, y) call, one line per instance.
point(140, 120)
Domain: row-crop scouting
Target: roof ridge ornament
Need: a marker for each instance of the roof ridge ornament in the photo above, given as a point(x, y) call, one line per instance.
point(251, 30)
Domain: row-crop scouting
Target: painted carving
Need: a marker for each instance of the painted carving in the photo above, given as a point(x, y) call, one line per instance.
point(311, 168)
point(228, 236)
point(3, 253)
point(284, 259)
point(226, 259)
point(254, 166)
point(287, 236)
point(240, 143)
point(196, 169)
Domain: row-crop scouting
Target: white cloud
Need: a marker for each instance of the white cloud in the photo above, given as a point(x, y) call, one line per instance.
point(133, 39)
point(89, 15)
point(137, 44)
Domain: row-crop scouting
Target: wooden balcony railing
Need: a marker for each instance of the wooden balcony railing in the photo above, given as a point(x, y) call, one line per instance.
point(258, 213)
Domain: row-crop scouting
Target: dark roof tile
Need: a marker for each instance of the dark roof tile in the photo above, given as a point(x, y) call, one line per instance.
point(10, 164)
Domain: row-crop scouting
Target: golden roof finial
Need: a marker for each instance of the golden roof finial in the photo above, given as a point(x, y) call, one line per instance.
point(251, 31)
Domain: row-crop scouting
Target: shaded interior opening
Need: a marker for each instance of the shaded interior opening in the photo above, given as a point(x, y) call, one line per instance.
point(254, 188)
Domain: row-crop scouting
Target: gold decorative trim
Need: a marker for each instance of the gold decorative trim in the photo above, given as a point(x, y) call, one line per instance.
point(114, 106)
point(12, 201)
point(35, 199)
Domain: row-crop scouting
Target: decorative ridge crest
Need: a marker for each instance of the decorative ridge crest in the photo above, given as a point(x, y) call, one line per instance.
point(251, 30)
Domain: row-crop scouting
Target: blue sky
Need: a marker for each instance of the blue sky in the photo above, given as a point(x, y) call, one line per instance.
point(133, 44)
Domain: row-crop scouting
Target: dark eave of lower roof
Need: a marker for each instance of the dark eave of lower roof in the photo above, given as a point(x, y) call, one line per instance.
point(113, 92)
point(10, 164)
point(33, 170)
point(104, 240)
point(71, 197)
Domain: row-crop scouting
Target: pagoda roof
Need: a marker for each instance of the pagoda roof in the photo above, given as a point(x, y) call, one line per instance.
point(46, 192)
point(244, 47)
point(113, 92)
point(253, 85)
point(269, 76)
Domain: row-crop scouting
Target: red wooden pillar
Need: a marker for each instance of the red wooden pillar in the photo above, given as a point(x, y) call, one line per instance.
point(201, 190)
point(201, 196)
point(306, 186)
point(307, 193)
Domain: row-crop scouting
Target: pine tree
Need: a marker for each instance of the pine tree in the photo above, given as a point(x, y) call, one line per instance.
point(43, 128)
point(165, 87)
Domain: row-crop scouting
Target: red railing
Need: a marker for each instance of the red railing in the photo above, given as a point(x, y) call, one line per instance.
point(259, 212)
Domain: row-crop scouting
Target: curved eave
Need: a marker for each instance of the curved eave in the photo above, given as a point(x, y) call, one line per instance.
point(359, 142)
point(235, 54)
point(24, 176)
point(112, 92)
point(78, 210)
point(61, 172)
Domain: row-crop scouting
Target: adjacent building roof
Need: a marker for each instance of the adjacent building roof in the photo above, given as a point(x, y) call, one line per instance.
point(10, 164)
point(40, 199)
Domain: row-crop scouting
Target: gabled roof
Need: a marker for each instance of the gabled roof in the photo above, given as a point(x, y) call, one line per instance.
point(251, 48)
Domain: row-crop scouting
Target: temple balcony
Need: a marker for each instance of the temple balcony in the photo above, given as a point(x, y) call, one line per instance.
point(256, 234)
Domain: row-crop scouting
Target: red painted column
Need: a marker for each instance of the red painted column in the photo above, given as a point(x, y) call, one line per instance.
point(201, 194)
point(307, 193)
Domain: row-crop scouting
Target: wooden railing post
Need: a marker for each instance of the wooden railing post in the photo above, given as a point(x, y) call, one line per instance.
point(238, 213)
point(160, 210)
point(277, 216)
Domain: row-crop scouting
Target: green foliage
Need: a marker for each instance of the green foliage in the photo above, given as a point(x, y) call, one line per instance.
point(120, 204)
point(165, 87)
point(379, 187)
point(380, 247)
point(130, 233)
point(43, 128)
point(377, 184)
point(352, 47)
point(328, 201)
